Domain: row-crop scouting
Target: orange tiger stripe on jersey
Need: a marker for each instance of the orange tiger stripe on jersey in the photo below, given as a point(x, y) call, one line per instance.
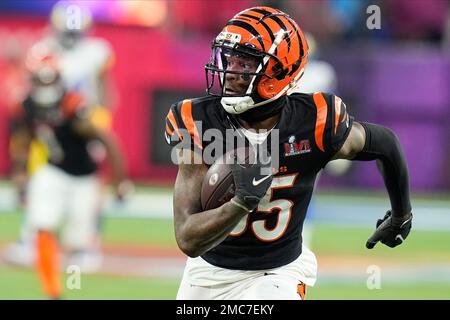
point(301, 290)
point(173, 122)
point(322, 111)
point(337, 112)
point(186, 115)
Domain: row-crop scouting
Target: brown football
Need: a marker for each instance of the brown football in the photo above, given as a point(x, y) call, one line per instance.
point(218, 184)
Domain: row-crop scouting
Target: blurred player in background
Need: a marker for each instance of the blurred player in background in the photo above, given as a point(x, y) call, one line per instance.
point(63, 194)
point(84, 63)
point(251, 246)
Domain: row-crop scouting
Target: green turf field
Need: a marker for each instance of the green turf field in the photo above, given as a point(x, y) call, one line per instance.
point(419, 269)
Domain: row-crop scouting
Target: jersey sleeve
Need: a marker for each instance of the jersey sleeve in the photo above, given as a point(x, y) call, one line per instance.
point(333, 123)
point(181, 129)
point(341, 124)
point(73, 106)
point(107, 54)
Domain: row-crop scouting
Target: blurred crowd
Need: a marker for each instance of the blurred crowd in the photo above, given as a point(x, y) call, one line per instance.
point(334, 22)
point(330, 20)
point(339, 21)
point(85, 62)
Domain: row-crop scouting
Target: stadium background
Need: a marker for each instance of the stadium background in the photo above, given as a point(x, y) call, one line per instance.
point(397, 76)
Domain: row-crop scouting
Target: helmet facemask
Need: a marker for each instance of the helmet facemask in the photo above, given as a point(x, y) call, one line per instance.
point(234, 72)
point(275, 40)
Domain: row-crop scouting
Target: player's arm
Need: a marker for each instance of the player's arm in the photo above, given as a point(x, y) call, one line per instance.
point(198, 231)
point(106, 91)
point(19, 147)
point(368, 142)
point(85, 128)
point(20, 141)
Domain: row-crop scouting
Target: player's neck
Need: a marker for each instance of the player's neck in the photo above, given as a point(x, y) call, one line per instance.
point(264, 117)
point(266, 124)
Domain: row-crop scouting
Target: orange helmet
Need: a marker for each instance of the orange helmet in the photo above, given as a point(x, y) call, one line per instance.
point(274, 40)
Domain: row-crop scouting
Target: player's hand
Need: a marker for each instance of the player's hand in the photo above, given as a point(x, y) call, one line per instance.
point(123, 189)
point(391, 231)
point(252, 181)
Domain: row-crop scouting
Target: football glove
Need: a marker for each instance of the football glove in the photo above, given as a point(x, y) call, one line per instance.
point(391, 231)
point(251, 182)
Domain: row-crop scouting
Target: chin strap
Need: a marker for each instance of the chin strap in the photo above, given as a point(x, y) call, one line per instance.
point(237, 105)
point(271, 109)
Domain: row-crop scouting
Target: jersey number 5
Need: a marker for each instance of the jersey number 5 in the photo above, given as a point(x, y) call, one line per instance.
point(267, 206)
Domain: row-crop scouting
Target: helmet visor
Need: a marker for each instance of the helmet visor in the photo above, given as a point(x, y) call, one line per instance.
point(233, 71)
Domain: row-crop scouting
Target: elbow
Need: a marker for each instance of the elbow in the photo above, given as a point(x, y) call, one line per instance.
point(189, 248)
point(392, 136)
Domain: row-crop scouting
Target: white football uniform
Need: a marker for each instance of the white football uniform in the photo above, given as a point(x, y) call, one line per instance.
point(82, 65)
point(57, 198)
point(80, 68)
point(204, 281)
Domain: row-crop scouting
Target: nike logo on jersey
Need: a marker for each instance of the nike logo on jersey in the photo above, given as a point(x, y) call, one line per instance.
point(257, 182)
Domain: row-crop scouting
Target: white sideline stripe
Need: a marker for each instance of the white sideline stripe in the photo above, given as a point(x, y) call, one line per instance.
point(425, 217)
point(426, 274)
point(141, 206)
point(338, 210)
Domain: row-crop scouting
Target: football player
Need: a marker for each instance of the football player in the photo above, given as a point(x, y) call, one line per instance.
point(84, 64)
point(85, 61)
point(64, 193)
point(251, 246)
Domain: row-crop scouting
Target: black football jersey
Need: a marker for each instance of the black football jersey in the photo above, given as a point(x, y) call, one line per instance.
point(67, 149)
point(312, 128)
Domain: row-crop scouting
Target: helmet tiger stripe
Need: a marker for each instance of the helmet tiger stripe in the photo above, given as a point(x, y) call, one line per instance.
point(277, 38)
